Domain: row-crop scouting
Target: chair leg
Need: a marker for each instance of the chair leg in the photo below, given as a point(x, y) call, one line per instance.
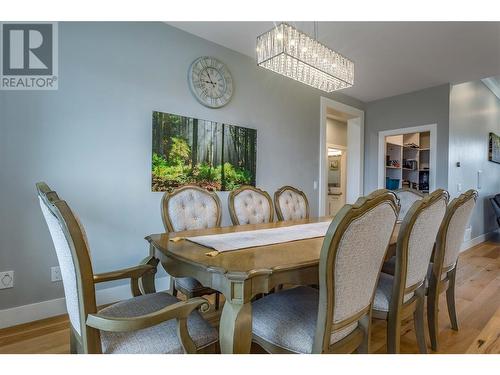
point(73, 344)
point(418, 319)
point(432, 316)
point(450, 299)
point(393, 333)
point(217, 300)
point(365, 325)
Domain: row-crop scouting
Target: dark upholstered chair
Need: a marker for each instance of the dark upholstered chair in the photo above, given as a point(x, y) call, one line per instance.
point(495, 203)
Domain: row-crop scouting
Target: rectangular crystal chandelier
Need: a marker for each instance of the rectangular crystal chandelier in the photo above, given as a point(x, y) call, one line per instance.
point(294, 54)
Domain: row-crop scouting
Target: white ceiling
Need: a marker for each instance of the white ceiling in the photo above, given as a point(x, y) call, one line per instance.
point(390, 58)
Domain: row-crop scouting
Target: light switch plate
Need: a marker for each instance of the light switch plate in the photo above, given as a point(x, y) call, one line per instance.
point(6, 279)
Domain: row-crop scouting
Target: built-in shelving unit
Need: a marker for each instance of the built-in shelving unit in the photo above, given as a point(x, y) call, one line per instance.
point(407, 161)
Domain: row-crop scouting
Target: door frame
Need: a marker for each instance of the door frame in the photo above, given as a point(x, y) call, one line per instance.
point(355, 152)
point(432, 128)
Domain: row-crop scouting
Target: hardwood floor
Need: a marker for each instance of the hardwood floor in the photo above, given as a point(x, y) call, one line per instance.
point(478, 309)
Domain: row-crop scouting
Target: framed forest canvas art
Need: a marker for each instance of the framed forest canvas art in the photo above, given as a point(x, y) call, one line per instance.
point(494, 148)
point(212, 155)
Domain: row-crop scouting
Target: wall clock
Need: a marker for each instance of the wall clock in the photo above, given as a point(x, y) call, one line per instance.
point(210, 82)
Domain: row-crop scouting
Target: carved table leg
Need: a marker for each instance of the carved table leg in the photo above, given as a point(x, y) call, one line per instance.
point(235, 330)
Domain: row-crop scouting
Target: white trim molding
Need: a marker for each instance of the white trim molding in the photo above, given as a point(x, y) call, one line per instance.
point(466, 245)
point(355, 151)
point(46, 309)
point(432, 128)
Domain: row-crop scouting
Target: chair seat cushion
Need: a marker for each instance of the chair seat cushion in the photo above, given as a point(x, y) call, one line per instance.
point(159, 339)
point(287, 319)
point(383, 293)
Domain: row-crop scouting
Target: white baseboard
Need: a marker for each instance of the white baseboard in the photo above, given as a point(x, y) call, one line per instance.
point(477, 240)
point(46, 309)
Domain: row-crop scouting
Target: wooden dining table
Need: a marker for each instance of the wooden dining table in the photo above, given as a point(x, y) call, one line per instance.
point(240, 275)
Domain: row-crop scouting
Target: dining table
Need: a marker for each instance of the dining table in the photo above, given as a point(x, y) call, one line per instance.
point(243, 274)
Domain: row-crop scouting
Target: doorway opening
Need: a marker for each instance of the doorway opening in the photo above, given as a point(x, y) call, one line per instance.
point(337, 176)
point(341, 155)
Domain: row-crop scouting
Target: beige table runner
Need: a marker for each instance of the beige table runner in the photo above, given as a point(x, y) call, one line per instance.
point(262, 237)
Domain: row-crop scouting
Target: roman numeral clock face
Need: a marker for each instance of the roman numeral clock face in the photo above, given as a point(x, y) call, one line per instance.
point(210, 82)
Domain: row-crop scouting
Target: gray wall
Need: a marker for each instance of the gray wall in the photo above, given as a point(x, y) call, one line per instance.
point(336, 132)
point(91, 141)
point(424, 107)
point(474, 112)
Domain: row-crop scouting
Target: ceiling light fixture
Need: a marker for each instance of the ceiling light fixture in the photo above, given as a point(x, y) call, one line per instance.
point(296, 55)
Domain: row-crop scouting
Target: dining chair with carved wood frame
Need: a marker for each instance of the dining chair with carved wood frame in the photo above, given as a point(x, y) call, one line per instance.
point(143, 324)
point(406, 198)
point(291, 204)
point(399, 296)
point(250, 205)
point(337, 317)
point(191, 207)
point(443, 268)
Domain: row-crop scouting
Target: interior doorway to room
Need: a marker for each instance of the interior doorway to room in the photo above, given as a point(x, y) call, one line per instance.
point(341, 155)
point(337, 174)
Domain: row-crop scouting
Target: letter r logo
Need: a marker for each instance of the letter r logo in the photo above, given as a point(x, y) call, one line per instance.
point(27, 49)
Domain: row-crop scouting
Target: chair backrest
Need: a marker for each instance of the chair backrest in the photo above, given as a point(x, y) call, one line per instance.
point(416, 239)
point(291, 204)
point(70, 243)
point(452, 231)
point(495, 203)
point(250, 205)
point(350, 262)
point(497, 199)
point(406, 198)
point(190, 207)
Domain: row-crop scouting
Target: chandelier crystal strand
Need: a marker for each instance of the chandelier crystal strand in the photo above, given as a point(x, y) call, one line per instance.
point(294, 54)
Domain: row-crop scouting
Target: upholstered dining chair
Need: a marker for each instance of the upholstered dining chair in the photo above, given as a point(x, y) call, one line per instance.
point(402, 294)
point(143, 324)
point(188, 208)
point(406, 198)
point(250, 205)
point(337, 317)
point(443, 268)
point(291, 204)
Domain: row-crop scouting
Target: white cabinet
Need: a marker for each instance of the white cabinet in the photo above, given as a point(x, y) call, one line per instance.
point(335, 203)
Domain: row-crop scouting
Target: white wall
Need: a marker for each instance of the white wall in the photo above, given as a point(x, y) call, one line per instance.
point(91, 141)
point(474, 112)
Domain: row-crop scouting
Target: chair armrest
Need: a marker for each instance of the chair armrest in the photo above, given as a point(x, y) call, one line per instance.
point(179, 311)
point(126, 273)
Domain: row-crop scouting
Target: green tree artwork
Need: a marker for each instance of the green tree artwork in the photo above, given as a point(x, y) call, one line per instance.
point(212, 155)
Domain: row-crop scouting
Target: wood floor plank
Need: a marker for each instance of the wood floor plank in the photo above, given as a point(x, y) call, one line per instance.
point(488, 341)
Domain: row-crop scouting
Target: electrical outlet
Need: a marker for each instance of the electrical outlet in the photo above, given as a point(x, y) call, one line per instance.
point(55, 274)
point(6, 279)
